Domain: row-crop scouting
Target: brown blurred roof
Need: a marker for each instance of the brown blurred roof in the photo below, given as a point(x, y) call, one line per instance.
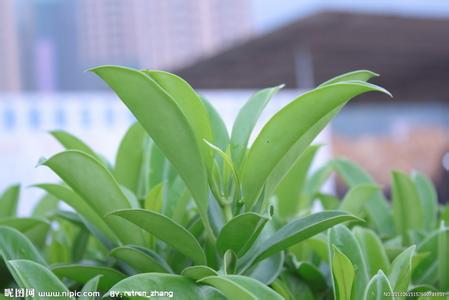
point(411, 54)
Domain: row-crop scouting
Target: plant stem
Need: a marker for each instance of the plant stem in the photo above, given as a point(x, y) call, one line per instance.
point(227, 211)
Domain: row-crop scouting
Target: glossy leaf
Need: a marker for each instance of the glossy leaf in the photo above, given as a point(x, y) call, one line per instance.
point(71, 142)
point(373, 250)
point(198, 272)
point(240, 233)
point(154, 198)
point(312, 275)
point(378, 288)
point(407, 210)
point(219, 131)
point(158, 166)
point(428, 197)
point(82, 207)
point(180, 286)
point(35, 229)
point(343, 239)
point(46, 206)
point(8, 201)
point(268, 269)
point(130, 168)
point(363, 75)
point(90, 286)
point(166, 230)
point(401, 270)
point(343, 275)
point(31, 275)
point(377, 208)
point(296, 231)
point(291, 187)
point(83, 273)
point(246, 121)
point(141, 259)
point(189, 102)
point(97, 187)
point(153, 106)
point(356, 198)
point(241, 287)
point(15, 245)
point(229, 262)
point(443, 259)
point(275, 153)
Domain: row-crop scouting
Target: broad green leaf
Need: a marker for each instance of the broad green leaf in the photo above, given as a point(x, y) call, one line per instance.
point(246, 120)
point(130, 167)
point(378, 288)
point(407, 210)
point(31, 275)
point(153, 106)
point(219, 131)
point(373, 250)
point(343, 275)
point(401, 270)
point(240, 233)
point(90, 286)
point(71, 142)
point(189, 102)
point(142, 260)
point(268, 269)
point(314, 184)
point(180, 286)
point(328, 201)
point(166, 230)
point(79, 245)
point(443, 259)
point(97, 187)
point(8, 201)
point(377, 208)
point(229, 262)
point(83, 273)
point(291, 288)
point(81, 206)
point(158, 167)
point(428, 197)
point(46, 206)
point(426, 271)
point(363, 75)
point(444, 214)
point(312, 276)
point(291, 187)
point(241, 287)
point(198, 272)
point(297, 231)
point(228, 165)
point(154, 198)
point(35, 229)
point(356, 198)
point(318, 245)
point(275, 153)
point(343, 239)
point(15, 245)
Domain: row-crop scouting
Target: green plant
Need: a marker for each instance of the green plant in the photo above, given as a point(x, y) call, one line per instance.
point(189, 209)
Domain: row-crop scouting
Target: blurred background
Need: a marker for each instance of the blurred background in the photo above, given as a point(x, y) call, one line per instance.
point(227, 50)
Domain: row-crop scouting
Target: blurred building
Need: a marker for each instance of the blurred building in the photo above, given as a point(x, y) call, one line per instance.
point(411, 54)
point(159, 34)
point(58, 40)
point(9, 50)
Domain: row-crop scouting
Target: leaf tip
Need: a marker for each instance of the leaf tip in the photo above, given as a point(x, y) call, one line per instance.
point(41, 162)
